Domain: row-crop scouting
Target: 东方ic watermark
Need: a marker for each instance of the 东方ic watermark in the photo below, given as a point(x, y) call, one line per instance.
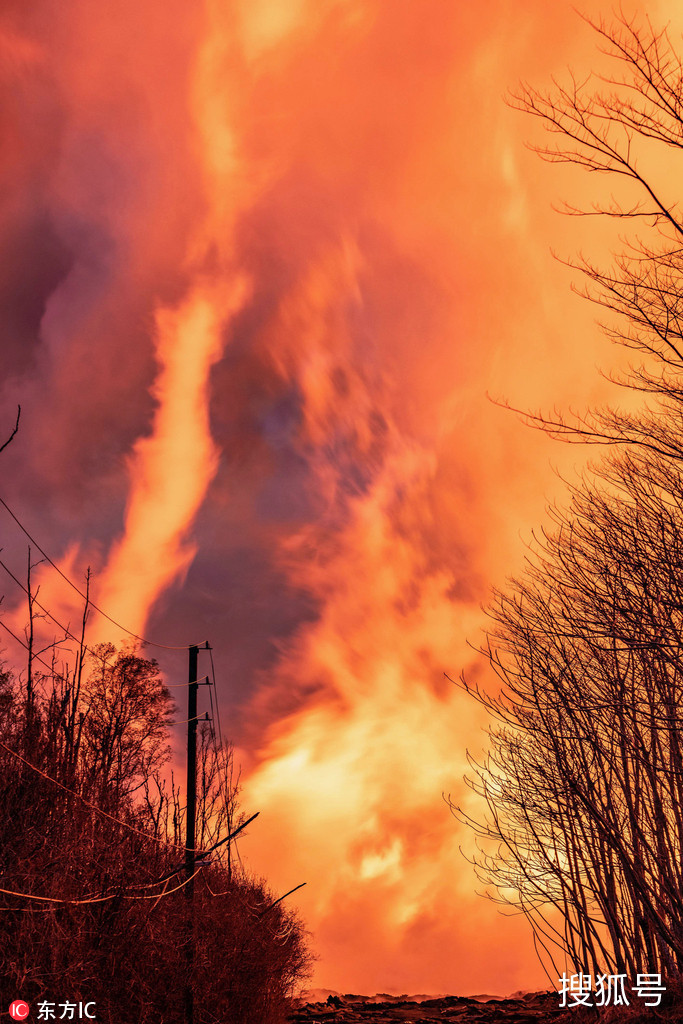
point(20, 1010)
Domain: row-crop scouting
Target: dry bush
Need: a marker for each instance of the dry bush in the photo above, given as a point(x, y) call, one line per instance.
point(584, 779)
point(92, 744)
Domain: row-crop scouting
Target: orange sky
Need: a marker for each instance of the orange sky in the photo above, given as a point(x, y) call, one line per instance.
point(262, 261)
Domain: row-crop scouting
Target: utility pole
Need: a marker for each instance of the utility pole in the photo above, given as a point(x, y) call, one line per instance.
point(190, 839)
point(191, 768)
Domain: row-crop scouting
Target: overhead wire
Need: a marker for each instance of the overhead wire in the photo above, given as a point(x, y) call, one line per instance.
point(103, 897)
point(197, 718)
point(65, 629)
point(213, 677)
point(217, 750)
point(217, 756)
point(109, 618)
point(203, 854)
point(218, 753)
point(97, 899)
point(35, 657)
point(86, 803)
point(51, 668)
point(218, 745)
point(92, 899)
point(85, 648)
point(131, 828)
point(223, 782)
point(200, 682)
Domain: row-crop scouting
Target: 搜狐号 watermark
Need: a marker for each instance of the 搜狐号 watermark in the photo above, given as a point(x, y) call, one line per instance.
point(610, 990)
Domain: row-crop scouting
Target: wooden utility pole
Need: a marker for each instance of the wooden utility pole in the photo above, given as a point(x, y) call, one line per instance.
point(190, 839)
point(191, 768)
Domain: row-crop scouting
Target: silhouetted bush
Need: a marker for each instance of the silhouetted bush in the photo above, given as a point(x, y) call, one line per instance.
point(87, 821)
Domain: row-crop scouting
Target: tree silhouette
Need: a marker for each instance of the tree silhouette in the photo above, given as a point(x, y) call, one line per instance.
point(92, 865)
point(584, 778)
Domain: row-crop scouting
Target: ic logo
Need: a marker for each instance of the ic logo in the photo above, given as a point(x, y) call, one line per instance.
point(19, 1010)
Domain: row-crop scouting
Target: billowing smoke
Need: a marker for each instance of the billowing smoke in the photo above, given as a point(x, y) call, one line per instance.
point(261, 261)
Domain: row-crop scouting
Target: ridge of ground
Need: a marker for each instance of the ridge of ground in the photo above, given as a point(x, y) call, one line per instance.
point(530, 1008)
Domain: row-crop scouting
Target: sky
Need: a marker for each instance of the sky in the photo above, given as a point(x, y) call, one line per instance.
point(265, 265)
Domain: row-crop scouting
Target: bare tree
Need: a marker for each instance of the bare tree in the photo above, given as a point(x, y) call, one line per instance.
point(92, 856)
point(628, 129)
point(127, 713)
point(584, 778)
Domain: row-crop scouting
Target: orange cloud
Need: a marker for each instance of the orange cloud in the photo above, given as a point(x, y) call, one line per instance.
point(264, 260)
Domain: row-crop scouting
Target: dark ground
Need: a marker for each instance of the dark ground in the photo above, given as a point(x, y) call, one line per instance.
point(532, 1008)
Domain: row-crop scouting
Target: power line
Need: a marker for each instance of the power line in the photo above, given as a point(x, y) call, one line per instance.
point(197, 718)
point(35, 657)
point(66, 789)
point(51, 669)
point(52, 899)
point(91, 604)
point(103, 897)
point(56, 621)
point(217, 753)
point(155, 895)
point(203, 855)
point(218, 713)
point(97, 899)
point(131, 828)
point(222, 782)
point(86, 803)
point(86, 649)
